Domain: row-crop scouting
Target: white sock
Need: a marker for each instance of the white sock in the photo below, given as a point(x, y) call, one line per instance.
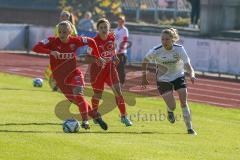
point(187, 117)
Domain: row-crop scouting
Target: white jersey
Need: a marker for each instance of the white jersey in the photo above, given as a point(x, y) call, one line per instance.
point(121, 36)
point(172, 61)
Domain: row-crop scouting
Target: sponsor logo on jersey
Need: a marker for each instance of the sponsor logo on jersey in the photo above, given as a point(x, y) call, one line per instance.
point(72, 46)
point(66, 56)
point(176, 56)
point(106, 54)
point(84, 39)
point(89, 50)
point(45, 41)
point(107, 49)
point(170, 62)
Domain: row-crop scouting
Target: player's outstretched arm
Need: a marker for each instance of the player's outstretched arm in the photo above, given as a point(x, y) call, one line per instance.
point(144, 72)
point(115, 60)
point(191, 72)
point(42, 47)
point(93, 55)
point(89, 59)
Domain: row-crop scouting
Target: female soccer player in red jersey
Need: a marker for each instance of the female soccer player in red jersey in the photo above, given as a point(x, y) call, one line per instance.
point(99, 75)
point(64, 16)
point(69, 78)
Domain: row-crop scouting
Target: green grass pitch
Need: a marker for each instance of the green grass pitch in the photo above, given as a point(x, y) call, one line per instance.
point(30, 130)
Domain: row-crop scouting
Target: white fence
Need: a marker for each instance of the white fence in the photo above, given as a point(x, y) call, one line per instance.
point(12, 37)
point(219, 56)
point(37, 34)
point(210, 55)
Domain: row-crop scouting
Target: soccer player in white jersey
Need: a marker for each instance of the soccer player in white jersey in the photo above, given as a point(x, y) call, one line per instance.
point(121, 35)
point(171, 60)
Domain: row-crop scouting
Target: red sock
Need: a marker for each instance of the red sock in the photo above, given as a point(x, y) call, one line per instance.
point(95, 104)
point(91, 112)
point(121, 105)
point(82, 106)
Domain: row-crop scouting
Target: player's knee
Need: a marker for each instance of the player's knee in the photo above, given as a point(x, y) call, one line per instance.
point(78, 90)
point(172, 106)
point(97, 94)
point(166, 94)
point(117, 90)
point(184, 104)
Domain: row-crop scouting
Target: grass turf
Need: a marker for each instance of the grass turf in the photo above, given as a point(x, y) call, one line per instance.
point(29, 129)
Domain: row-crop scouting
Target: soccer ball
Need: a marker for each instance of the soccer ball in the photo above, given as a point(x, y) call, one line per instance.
point(37, 82)
point(71, 126)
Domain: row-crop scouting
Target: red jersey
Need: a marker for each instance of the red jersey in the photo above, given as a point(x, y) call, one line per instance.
point(106, 47)
point(67, 50)
point(107, 74)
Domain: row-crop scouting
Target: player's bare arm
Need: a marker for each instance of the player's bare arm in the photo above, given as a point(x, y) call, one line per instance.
point(191, 72)
point(116, 60)
point(92, 59)
point(144, 72)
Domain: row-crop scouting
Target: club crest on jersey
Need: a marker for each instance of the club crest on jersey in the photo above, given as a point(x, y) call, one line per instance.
point(72, 46)
point(89, 50)
point(84, 39)
point(45, 41)
point(176, 56)
point(109, 46)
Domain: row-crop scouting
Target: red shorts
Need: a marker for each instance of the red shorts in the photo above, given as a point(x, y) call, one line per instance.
point(99, 76)
point(68, 81)
point(76, 78)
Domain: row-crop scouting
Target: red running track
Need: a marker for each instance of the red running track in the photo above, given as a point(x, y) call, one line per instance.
point(223, 93)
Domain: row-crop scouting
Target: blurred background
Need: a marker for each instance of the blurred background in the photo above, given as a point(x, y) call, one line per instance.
point(209, 29)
